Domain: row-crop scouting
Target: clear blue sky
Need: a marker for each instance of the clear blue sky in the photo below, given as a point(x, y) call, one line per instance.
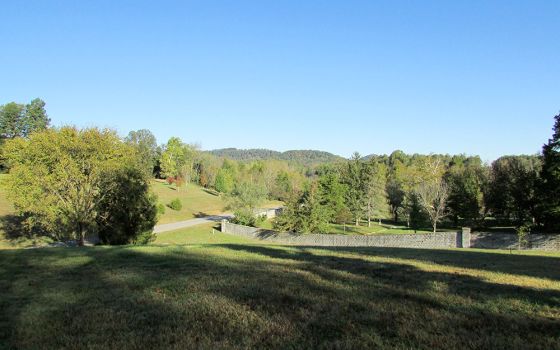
point(474, 77)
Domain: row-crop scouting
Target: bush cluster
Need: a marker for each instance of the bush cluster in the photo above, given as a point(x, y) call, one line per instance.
point(175, 204)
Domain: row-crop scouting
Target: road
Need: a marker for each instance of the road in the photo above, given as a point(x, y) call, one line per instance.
point(192, 222)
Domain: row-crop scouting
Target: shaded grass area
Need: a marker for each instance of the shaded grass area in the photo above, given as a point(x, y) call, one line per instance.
point(226, 295)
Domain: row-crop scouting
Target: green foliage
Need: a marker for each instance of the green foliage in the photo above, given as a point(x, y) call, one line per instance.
point(145, 144)
point(245, 200)
point(375, 180)
point(332, 195)
point(18, 120)
point(36, 118)
point(178, 159)
point(467, 179)
point(59, 177)
point(283, 187)
point(549, 185)
point(304, 213)
point(224, 181)
point(511, 194)
point(127, 210)
point(416, 217)
point(160, 209)
point(307, 157)
point(175, 204)
point(523, 232)
point(356, 189)
point(12, 117)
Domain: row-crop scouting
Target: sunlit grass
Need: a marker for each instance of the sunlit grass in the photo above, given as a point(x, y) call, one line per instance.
point(219, 294)
point(196, 200)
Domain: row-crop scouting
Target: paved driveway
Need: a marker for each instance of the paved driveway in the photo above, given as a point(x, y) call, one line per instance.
point(192, 222)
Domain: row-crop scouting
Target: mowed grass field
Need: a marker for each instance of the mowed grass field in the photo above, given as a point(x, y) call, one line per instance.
point(220, 291)
point(197, 201)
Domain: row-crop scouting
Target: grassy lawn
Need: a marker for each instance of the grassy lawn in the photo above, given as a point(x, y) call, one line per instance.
point(225, 294)
point(200, 234)
point(197, 201)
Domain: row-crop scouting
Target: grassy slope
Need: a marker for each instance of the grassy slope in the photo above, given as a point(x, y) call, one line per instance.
point(196, 200)
point(217, 293)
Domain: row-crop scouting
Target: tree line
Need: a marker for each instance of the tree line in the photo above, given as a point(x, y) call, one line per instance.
point(67, 181)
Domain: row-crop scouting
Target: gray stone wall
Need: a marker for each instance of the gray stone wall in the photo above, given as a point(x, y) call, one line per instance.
point(437, 240)
point(495, 240)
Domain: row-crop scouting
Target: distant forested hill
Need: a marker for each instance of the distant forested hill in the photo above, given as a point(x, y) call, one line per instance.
point(299, 156)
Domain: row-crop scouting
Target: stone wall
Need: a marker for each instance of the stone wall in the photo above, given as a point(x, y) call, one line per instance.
point(495, 240)
point(437, 240)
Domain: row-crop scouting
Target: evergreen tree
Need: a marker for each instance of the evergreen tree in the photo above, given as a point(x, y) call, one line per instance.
point(332, 194)
point(549, 187)
point(36, 118)
point(11, 120)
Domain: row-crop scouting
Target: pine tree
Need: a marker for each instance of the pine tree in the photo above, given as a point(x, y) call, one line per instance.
point(550, 180)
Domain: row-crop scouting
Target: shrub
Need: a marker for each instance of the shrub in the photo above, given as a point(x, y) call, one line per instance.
point(160, 209)
point(145, 238)
point(170, 180)
point(127, 213)
point(523, 232)
point(244, 217)
point(175, 204)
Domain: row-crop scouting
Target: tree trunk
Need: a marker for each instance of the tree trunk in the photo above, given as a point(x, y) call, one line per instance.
point(357, 221)
point(368, 214)
point(81, 235)
point(435, 226)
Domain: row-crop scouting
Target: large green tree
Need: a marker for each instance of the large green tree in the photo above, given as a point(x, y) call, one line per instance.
point(18, 120)
point(511, 194)
point(245, 200)
point(356, 189)
point(332, 194)
point(178, 159)
point(375, 181)
point(60, 178)
point(549, 187)
point(304, 213)
point(146, 146)
point(11, 120)
point(466, 178)
point(36, 118)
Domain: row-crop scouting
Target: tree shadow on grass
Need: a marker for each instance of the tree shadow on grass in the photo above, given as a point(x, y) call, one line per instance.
point(211, 192)
point(15, 231)
point(239, 296)
point(513, 263)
